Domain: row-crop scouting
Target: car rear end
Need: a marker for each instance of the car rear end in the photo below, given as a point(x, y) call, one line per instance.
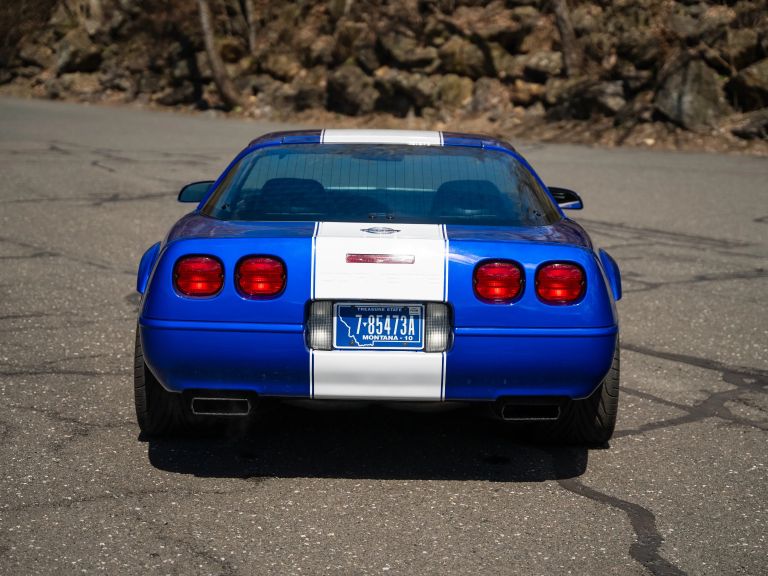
point(380, 271)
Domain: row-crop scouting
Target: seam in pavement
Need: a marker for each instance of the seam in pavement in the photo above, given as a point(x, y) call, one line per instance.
point(648, 540)
point(744, 380)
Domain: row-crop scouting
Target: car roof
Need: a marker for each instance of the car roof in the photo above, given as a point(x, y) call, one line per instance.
point(406, 137)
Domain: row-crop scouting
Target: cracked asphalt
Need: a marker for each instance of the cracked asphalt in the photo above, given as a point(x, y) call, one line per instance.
point(681, 490)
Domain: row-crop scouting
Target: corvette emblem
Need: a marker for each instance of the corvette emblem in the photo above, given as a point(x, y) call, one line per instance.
point(379, 230)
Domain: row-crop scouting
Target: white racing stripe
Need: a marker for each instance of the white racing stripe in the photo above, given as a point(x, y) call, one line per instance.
point(411, 137)
point(379, 374)
point(424, 280)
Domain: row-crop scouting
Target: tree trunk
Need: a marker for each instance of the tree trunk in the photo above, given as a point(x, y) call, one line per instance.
point(572, 55)
point(223, 82)
point(250, 17)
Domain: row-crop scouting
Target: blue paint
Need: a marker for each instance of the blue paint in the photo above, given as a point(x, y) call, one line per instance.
point(145, 267)
point(229, 342)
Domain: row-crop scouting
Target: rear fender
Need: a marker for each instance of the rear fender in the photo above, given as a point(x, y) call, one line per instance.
point(145, 267)
point(612, 272)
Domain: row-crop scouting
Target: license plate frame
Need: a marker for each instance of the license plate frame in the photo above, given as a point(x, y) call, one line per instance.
point(412, 339)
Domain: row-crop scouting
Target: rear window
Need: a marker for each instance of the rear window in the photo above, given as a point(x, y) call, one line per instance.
point(382, 183)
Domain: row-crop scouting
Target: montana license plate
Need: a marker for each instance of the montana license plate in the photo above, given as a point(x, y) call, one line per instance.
point(378, 326)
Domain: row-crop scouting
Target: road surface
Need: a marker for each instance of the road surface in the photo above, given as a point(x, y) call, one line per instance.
point(681, 490)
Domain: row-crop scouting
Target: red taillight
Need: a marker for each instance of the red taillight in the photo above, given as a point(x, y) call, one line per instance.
point(260, 276)
point(498, 281)
point(198, 275)
point(560, 283)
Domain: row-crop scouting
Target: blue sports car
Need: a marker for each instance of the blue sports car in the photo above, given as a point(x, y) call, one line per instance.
point(379, 265)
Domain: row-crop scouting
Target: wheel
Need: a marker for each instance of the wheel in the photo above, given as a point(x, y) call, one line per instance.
point(591, 420)
point(158, 412)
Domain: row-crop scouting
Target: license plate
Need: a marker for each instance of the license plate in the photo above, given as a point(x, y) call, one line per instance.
point(378, 326)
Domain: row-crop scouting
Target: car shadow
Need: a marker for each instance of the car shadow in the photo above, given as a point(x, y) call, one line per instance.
point(371, 442)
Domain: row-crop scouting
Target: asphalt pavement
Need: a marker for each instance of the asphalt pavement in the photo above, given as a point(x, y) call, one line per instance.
point(372, 490)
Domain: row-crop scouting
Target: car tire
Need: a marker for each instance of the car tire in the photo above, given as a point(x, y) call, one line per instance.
point(591, 421)
point(158, 411)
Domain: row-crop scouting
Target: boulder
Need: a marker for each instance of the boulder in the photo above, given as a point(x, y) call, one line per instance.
point(639, 46)
point(749, 88)
point(82, 85)
point(608, 97)
point(586, 18)
point(269, 95)
point(151, 83)
point(403, 91)
point(321, 50)
point(135, 58)
point(310, 88)
point(490, 97)
point(639, 109)
point(29, 72)
point(453, 91)
point(540, 36)
point(691, 96)
point(77, 53)
point(407, 52)
point(555, 88)
point(752, 125)
point(698, 21)
point(492, 21)
point(37, 55)
point(184, 93)
point(599, 46)
point(351, 91)
point(541, 65)
point(116, 80)
point(367, 58)
point(281, 98)
point(524, 93)
point(740, 47)
point(257, 84)
point(356, 41)
point(583, 98)
point(634, 80)
point(505, 65)
point(462, 57)
point(281, 65)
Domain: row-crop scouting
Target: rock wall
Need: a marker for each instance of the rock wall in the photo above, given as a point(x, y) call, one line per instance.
point(695, 66)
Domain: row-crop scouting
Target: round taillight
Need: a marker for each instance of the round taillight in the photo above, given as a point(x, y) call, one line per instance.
point(198, 275)
point(560, 283)
point(498, 281)
point(260, 276)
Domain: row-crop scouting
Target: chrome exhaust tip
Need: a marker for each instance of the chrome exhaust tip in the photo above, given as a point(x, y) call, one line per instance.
point(211, 406)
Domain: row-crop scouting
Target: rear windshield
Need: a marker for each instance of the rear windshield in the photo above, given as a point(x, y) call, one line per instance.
point(381, 183)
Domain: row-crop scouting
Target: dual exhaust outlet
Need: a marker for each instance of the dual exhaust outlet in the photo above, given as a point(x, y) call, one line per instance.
point(220, 406)
point(518, 412)
point(241, 406)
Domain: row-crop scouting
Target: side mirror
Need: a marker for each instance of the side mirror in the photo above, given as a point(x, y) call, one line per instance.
point(565, 198)
point(195, 192)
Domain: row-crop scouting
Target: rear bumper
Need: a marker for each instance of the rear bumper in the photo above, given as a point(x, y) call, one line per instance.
point(273, 360)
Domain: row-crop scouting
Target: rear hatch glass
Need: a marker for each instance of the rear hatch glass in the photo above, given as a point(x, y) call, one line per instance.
point(382, 183)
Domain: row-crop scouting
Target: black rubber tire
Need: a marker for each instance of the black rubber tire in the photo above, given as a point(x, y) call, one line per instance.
point(158, 412)
point(591, 421)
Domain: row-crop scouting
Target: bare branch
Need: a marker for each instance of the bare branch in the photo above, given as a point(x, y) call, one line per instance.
point(223, 82)
point(250, 16)
point(573, 57)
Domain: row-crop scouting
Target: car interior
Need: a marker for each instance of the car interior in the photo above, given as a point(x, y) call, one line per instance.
point(479, 200)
